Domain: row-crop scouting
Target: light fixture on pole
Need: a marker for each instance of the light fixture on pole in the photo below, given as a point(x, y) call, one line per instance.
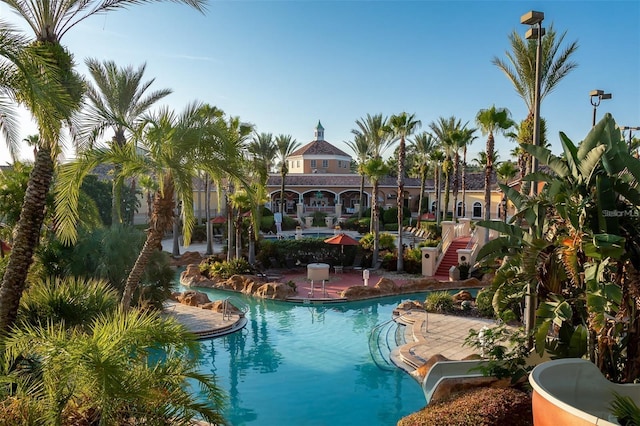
point(534, 19)
point(596, 96)
point(410, 212)
point(630, 129)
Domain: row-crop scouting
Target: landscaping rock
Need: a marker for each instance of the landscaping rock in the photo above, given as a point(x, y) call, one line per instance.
point(386, 286)
point(360, 292)
point(274, 291)
point(218, 306)
point(193, 298)
point(462, 295)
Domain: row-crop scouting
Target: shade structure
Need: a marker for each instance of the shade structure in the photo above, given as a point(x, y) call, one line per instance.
point(342, 239)
point(219, 219)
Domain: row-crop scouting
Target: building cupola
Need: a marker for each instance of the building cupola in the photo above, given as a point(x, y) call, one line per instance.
point(319, 132)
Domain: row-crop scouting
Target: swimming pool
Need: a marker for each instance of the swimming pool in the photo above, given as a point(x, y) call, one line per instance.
point(309, 365)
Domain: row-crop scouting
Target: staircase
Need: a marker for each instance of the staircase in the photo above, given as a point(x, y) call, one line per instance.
point(451, 256)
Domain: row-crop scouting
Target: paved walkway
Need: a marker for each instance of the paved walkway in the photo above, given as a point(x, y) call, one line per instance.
point(204, 323)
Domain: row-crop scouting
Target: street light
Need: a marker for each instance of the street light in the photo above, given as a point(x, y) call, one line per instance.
point(596, 97)
point(534, 19)
point(630, 129)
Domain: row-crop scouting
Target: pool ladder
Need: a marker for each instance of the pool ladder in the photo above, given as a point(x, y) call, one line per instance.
point(226, 308)
point(383, 338)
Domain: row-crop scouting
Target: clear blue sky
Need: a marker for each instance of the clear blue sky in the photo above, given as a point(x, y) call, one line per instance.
point(284, 65)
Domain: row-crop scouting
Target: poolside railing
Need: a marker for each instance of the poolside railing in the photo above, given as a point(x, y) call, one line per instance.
point(380, 339)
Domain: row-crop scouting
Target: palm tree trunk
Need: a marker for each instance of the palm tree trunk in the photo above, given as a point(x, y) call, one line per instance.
point(456, 171)
point(26, 239)
point(464, 183)
point(400, 203)
point(283, 174)
point(437, 191)
point(162, 219)
point(176, 230)
point(207, 213)
point(360, 206)
point(487, 178)
point(375, 223)
point(423, 179)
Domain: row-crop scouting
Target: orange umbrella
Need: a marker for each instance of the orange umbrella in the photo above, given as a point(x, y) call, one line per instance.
point(342, 239)
point(219, 219)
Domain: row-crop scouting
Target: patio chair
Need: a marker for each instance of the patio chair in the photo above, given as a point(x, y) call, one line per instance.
point(356, 265)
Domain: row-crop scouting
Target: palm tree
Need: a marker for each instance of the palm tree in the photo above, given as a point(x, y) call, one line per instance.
point(49, 22)
point(520, 69)
point(443, 130)
point(361, 148)
point(403, 125)
point(286, 146)
point(422, 145)
point(461, 137)
point(236, 135)
point(375, 130)
point(376, 169)
point(117, 100)
point(520, 65)
point(464, 174)
point(75, 364)
point(491, 120)
point(436, 157)
point(34, 141)
point(176, 147)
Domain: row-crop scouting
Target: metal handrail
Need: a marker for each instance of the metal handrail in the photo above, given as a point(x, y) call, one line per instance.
point(375, 331)
point(226, 310)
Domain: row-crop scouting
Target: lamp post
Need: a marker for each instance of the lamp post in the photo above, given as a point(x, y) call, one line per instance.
point(410, 213)
point(503, 203)
point(596, 96)
point(534, 19)
point(630, 129)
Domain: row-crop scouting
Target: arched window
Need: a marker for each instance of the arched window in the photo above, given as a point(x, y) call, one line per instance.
point(459, 209)
point(477, 209)
point(433, 207)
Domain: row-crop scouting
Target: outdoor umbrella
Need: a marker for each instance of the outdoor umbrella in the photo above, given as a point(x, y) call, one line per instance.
point(219, 219)
point(342, 239)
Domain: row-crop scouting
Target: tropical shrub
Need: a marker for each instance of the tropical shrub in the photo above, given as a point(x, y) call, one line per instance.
point(122, 368)
point(581, 248)
point(464, 268)
point(484, 303)
point(505, 348)
point(70, 301)
point(226, 269)
point(318, 218)
point(440, 302)
point(390, 215)
point(386, 241)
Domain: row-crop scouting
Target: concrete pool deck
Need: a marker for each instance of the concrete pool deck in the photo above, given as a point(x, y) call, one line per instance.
point(426, 334)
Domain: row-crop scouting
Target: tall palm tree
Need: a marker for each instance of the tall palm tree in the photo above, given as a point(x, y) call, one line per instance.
point(461, 138)
point(520, 65)
point(236, 135)
point(49, 22)
point(375, 130)
point(443, 130)
point(436, 157)
point(176, 146)
point(520, 68)
point(286, 146)
point(422, 146)
point(116, 100)
point(490, 121)
point(403, 125)
point(361, 148)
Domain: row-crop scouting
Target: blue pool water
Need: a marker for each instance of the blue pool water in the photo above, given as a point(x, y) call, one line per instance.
point(309, 365)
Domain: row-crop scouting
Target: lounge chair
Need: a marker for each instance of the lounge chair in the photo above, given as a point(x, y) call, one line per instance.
point(356, 265)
